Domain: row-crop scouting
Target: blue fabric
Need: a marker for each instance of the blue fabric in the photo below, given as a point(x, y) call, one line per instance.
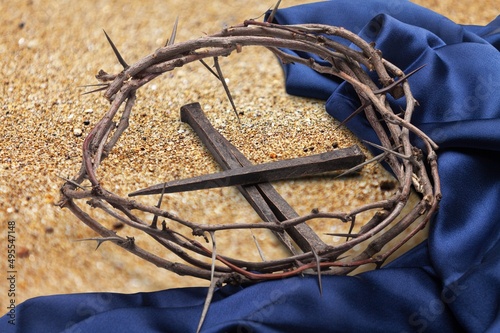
point(449, 283)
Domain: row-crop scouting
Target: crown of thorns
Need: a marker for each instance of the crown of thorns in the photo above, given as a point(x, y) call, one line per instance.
point(415, 169)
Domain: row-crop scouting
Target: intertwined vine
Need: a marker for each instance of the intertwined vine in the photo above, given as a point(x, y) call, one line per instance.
point(413, 168)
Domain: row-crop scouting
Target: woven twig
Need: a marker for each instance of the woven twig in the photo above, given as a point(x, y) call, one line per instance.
point(412, 167)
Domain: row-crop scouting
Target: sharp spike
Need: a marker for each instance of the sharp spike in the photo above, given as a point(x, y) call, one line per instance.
point(259, 249)
point(171, 40)
point(209, 69)
point(342, 235)
point(115, 50)
point(154, 223)
point(353, 221)
point(211, 288)
point(95, 90)
point(72, 182)
point(226, 88)
point(100, 240)
point(358, 110)
point(396, 83)
point(318, 269)
point(270, 19)
point(387, 150)
point(94, 85)
point(359, 166)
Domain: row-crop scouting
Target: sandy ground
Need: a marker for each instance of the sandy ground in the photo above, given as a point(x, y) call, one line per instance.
point(50, 48)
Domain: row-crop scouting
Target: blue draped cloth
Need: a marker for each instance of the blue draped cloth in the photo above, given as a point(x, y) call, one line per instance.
point(449, 283)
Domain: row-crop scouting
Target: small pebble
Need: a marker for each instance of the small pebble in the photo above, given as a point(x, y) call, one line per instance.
point(388, 185)
point(77, 132)
point(118, 226)
point(23, 252)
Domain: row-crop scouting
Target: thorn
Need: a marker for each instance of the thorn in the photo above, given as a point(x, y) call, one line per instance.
point(101, 240)
point(226, 88)
point(387, 150)
point(154, 223)
point(342, 235)
point(71, 182)
point(359, 166)
point(318, 269)
point(209, 69)
point(259, 249)
point(171, 40)
point(396, 83)
point(270, 19)
point(94, 85)
point(96, 90)
point(358, 110)
point(115, 50)
point(211, 289)
point(353, 220)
